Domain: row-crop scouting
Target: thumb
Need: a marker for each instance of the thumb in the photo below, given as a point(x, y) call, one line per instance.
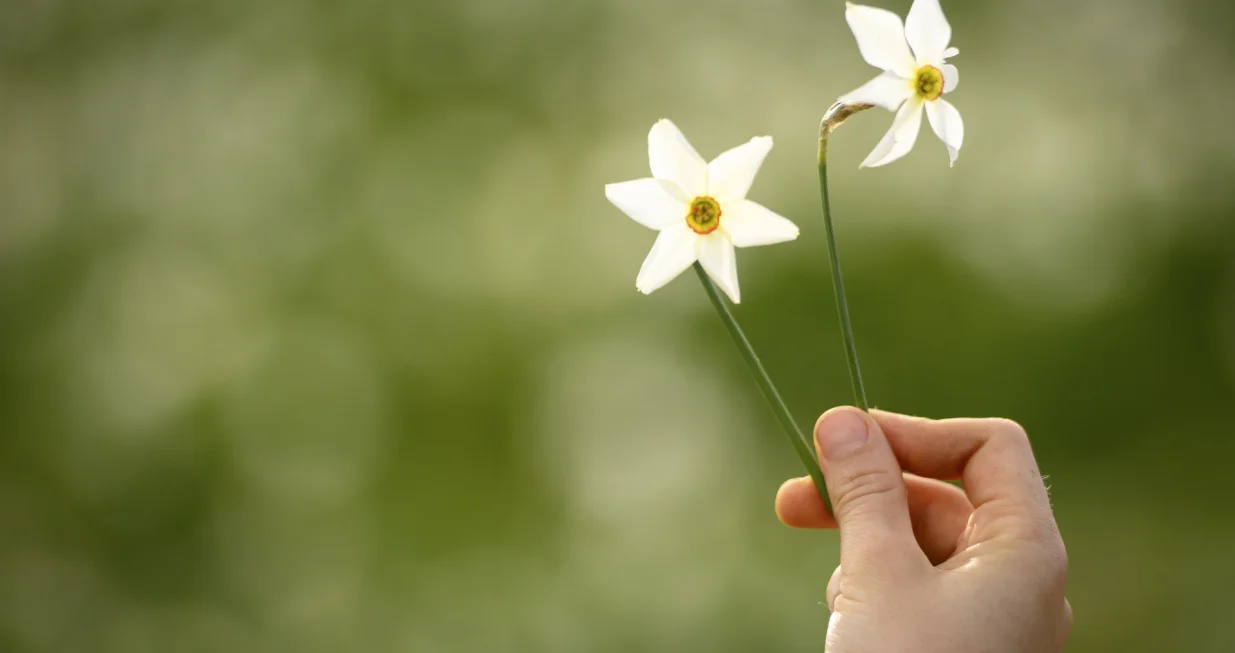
point(867, 491)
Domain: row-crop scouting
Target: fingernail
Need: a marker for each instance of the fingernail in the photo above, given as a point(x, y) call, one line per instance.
point(840, 433)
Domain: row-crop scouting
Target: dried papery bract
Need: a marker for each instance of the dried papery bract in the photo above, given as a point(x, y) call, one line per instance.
point(838, 113)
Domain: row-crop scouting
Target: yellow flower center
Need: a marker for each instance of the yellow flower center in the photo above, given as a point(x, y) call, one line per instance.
point(928, 83)
point(704, 215)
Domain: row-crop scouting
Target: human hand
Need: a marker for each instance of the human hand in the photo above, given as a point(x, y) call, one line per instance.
point(925, 566)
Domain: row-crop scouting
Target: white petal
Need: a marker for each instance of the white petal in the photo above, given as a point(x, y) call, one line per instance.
point(881, 39)
point(673, 159)
point(750, 225)
point(927, 31)
point(673, 252)
point(950, 52)
point(888, 90)
point(718, 260)
point(900, 138)
point(652, 203)
point(951, 77)
point(946, 121)
point(731, 174)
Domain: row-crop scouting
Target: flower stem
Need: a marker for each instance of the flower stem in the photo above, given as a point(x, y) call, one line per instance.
point(838, 283)
point(801, 445)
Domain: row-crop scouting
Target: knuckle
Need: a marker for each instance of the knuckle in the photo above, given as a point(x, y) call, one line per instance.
point(1052, 562)
point(1059, 560)
point(1008, 430)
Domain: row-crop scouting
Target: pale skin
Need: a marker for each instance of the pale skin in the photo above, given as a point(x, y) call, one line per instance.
point(926, 566)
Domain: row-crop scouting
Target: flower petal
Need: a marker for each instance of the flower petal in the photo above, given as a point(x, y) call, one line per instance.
point(718, 260)
point(950, 52)
point(927, 31)
point(673, 252)
point(653, 203)
point(881, 39)
point(888, 90)
point(900, 138)
point(946, 121)
point(673, 159)
point(731, 174)
point(750, 225)
point(951, 77)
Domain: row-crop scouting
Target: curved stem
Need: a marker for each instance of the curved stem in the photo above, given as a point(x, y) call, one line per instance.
point(801, 445)
point(838, 283)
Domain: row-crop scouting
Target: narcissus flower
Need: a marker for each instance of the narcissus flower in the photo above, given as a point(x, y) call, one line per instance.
point(699, 208)
point(910, 81)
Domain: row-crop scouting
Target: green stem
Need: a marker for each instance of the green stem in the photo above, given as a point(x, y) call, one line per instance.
point(838, 283)
point(801, 445)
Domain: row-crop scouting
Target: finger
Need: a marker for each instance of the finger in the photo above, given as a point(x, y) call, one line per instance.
point(798, 505)
point(867, 492)
point(991, 456)
point(834, 588)
point(938, 512)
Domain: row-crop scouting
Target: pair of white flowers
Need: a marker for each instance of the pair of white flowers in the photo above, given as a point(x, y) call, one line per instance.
point(700, 208)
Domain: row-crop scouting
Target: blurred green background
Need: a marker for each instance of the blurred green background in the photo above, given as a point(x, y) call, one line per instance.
point(318, 334)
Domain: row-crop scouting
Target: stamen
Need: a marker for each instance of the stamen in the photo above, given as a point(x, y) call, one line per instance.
point(928, 83)
point(704, 215)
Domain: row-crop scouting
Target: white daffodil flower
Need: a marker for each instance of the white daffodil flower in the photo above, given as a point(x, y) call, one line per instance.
point(699, 208)
point(910, 81)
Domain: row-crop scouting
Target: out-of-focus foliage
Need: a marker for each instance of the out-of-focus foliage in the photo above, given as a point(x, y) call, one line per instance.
point(317, 333)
